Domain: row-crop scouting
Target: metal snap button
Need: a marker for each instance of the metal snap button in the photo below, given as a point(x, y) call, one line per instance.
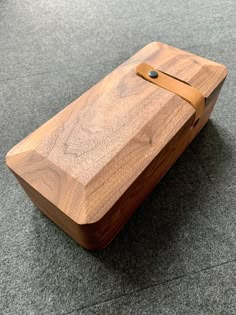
point(153, 74)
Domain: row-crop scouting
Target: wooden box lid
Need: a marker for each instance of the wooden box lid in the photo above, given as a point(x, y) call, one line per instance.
point(84, 159)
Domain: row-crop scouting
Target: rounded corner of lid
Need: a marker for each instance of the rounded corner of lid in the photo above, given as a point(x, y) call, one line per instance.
point(10, 157)
point(87, 220)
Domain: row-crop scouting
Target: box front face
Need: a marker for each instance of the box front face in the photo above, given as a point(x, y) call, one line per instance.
point(85, 158)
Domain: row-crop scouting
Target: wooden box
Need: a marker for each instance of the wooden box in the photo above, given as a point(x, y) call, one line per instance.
point(90, 166)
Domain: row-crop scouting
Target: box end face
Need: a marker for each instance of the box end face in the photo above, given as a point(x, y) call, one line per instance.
point(90, 236)
point(51, 183)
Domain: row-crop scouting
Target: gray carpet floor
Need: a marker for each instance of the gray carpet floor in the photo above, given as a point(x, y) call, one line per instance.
point(177, 254)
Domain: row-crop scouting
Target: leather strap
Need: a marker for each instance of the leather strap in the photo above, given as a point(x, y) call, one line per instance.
point(172, 84)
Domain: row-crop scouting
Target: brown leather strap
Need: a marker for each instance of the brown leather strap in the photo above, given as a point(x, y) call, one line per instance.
point(187, 92)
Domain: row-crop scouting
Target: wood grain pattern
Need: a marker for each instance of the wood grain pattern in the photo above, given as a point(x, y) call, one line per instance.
point(90, 166)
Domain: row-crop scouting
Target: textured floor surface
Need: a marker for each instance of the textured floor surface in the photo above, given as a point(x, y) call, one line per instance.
point(177, 254)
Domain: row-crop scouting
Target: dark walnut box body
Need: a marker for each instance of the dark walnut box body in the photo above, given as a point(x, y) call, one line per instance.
point(90, 166)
